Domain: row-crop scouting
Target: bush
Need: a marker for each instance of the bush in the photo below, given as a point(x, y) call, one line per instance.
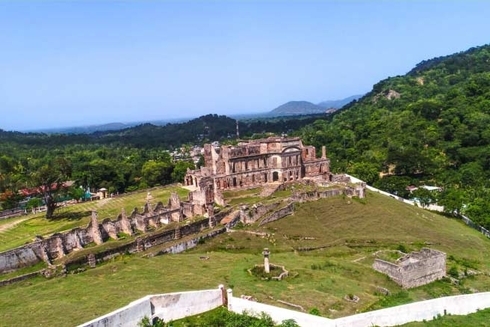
point(453, 272)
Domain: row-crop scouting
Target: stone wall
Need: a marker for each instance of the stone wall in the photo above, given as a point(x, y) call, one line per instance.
point(415, 269)
point(281, 213)
point(173, 306)
point(170, 306)
point(60, 244)
point(250, 214)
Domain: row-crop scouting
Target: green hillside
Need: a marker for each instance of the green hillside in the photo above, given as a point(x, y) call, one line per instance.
point(430, 126)
point(293, 108)
point(346, 233)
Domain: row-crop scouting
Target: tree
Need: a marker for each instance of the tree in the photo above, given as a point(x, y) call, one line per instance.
point(76, 193)
point(180, 169)
point(365, 171)
point(453, 200)
point(424, 196)
point(50, 179)
point(156, 172)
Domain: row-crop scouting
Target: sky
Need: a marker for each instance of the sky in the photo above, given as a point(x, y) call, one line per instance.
point(75, 63)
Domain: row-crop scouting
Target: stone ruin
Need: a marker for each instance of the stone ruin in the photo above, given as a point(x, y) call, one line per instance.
point(258, 162)
point(414, 269)
point(60, 244)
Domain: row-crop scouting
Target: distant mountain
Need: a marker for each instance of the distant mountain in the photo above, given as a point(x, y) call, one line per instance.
point(337, 104)
point(84, 129)
point(89, 129)
point(293, 108)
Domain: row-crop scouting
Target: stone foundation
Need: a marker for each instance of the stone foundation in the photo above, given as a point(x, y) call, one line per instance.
point(414, 269)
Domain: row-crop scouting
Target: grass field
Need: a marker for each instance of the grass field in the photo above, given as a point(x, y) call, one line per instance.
point(346, 233)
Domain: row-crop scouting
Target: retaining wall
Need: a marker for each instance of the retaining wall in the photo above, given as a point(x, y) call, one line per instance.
point(277, 314)
point(281, 213)
point(169, 306)
point(418, 311)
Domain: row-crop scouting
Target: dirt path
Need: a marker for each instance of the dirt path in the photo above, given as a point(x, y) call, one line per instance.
point(12, 224)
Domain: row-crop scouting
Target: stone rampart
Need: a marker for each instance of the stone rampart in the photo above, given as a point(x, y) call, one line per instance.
point(415, 269)
point(60, 244)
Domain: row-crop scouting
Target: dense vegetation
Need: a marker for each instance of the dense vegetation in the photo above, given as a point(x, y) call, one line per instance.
point(121, 161)
point(221, 317)
point(430, 126)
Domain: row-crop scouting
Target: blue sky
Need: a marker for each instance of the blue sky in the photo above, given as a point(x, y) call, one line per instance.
point(71, 63)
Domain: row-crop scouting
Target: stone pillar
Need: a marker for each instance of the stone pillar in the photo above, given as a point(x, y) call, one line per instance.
point(224, 300)
point(125, 223)
point(60, 247)
point(229, 293)
point(266, 254)
point(92, 261)
point(324, 152)
point(94, 229)
point(140, 245)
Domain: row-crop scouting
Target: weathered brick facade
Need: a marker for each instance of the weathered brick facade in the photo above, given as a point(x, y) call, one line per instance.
point(258, 162)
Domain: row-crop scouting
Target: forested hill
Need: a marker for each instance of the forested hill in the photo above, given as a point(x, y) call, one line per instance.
point(197, 131)
point(431, 125)
point(297, 108)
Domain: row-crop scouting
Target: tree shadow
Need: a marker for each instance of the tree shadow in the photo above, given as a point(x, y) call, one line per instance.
point(71, 215)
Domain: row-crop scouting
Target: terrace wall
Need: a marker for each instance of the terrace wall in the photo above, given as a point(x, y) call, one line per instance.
point(169, 306)
point(415, 269)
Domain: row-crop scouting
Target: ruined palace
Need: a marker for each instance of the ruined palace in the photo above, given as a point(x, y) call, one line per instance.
point(258, 162)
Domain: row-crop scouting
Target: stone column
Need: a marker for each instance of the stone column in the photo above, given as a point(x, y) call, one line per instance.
point(94, 229)
point(266, 254)
point(229, 293)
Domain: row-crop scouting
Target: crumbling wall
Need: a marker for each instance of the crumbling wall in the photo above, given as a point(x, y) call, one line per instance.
point(60, 244)
point(281, 213)
point(249, 215)
point(415, 269)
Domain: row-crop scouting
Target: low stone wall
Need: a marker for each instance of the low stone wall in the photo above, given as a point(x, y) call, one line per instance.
point(21, 278)
point(277, 314)
point(281, 213)
point(170, 306)
point(128, 316)
point(10, 213)
point(418, 311)
point(414, 269)
point(250, 214)
point(189, 244)
point(173, 306)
